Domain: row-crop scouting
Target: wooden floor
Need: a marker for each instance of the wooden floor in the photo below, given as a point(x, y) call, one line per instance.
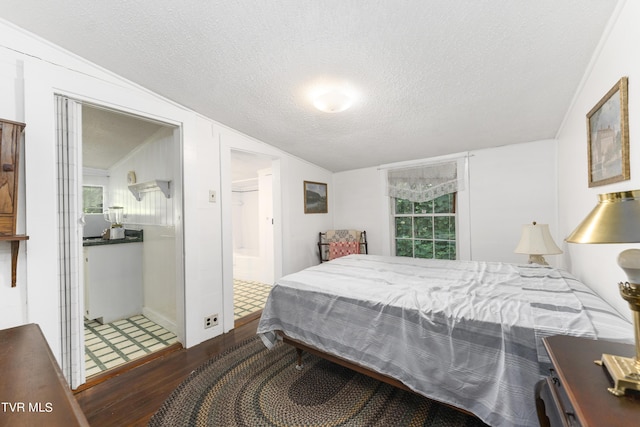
point(131, 398)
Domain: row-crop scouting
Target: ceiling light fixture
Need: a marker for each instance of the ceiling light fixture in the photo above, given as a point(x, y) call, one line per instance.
point(333, 101)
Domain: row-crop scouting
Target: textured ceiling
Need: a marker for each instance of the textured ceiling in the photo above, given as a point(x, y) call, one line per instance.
point(434, 77)
point(108, 136)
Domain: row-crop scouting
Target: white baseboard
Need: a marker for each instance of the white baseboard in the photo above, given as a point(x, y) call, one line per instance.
point(161, 320)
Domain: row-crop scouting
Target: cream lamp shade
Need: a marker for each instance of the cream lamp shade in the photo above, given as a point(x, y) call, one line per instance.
point(536, 241)
point(616, 219)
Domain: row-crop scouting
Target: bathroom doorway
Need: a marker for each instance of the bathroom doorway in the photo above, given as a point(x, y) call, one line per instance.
point(252, 231)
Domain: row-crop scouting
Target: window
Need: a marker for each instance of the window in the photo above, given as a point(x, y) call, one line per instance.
point(92, 199)
point(425, 229)
point(423, 208)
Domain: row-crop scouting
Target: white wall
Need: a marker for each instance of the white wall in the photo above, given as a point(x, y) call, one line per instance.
point(153, 159)
point(616, 57)
point(511, 186)
point(360, 203)
point(246, 238)
point(155, 214)
point(298, 230)
point(300, 250)
point(508, 186)
point(266, 226)
point(295, 232)
point(159, 273)
point(31, 72)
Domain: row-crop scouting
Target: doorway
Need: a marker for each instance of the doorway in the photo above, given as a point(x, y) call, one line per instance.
point(129, 274)
point(252, 231)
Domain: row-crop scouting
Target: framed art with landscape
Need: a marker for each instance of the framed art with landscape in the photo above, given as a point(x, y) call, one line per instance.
point(315, 197)
point(608, 137)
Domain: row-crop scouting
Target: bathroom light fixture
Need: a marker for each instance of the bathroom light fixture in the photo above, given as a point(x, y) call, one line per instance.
point(333, 101)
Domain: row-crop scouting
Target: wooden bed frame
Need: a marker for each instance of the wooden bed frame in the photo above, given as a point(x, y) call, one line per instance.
point(301, 347)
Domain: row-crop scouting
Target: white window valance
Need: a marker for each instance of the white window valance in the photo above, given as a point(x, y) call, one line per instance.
point(424, 183)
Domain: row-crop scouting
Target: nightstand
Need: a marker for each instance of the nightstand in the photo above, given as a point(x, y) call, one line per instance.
point(575, 394)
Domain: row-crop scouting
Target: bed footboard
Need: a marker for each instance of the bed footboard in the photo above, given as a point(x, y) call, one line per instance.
point(302, 347)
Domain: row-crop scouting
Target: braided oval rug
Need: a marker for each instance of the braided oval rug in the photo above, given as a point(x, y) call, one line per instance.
point(252, 386)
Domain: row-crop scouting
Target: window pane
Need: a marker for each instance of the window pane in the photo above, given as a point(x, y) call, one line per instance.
point(424, 227)
point(445, 250)
point(424, 249)
point(404, 247)
point(427, 229)
point(445, 227)
point(92, 199)
point(403, 206)
point(423, 207)
point(444, 204)
point(404, 227)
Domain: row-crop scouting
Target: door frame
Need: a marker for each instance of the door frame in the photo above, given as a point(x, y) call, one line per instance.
point(227, 221)
point(77, 357)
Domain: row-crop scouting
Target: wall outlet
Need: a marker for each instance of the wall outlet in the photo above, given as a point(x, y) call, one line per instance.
point(212, 196)
point(210, 321)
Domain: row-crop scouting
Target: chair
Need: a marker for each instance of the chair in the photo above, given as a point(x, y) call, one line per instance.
point(336, 243)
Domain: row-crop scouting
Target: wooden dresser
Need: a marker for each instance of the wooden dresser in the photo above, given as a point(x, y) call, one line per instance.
point(575, 394)
point(33, 391)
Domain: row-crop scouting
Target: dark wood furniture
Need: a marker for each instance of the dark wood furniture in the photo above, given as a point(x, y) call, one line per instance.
point(576, 391)
point(33, 391)
point(302, 347)
point(10, 136)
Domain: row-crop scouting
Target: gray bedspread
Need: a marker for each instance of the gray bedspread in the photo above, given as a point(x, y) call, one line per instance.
point(460, 332)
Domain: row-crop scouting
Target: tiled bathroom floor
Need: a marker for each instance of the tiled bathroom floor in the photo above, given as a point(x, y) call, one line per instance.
point(113, 344)
point(248, 297)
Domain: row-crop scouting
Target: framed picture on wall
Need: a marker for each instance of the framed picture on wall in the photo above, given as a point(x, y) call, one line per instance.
point(608, 137)
point(315, 197)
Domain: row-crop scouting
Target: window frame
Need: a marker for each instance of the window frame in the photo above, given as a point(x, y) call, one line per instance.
point(104, 196)
point(433, 239)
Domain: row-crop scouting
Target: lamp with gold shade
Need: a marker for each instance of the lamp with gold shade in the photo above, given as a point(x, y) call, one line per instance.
point(616, 219)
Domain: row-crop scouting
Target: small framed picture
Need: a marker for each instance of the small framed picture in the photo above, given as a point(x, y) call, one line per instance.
point(315, 197)
point(608, 137)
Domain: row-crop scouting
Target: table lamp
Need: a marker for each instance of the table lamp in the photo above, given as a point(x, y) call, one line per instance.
point(616, 219)
point(536, 241)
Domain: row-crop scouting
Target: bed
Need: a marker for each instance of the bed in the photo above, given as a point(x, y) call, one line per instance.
point(467, 334)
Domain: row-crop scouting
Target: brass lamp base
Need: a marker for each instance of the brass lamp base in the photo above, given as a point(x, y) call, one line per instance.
point(623, 371)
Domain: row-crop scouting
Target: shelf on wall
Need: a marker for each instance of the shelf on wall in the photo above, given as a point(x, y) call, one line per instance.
point(15, 246)
point(156, 184)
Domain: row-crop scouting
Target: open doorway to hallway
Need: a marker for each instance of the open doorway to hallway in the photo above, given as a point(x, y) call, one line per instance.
point(253, 232)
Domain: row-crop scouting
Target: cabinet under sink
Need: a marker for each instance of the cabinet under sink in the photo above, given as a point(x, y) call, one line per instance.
point(112, 281)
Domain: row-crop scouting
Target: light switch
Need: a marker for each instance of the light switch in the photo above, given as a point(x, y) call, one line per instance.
point(212, 196)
